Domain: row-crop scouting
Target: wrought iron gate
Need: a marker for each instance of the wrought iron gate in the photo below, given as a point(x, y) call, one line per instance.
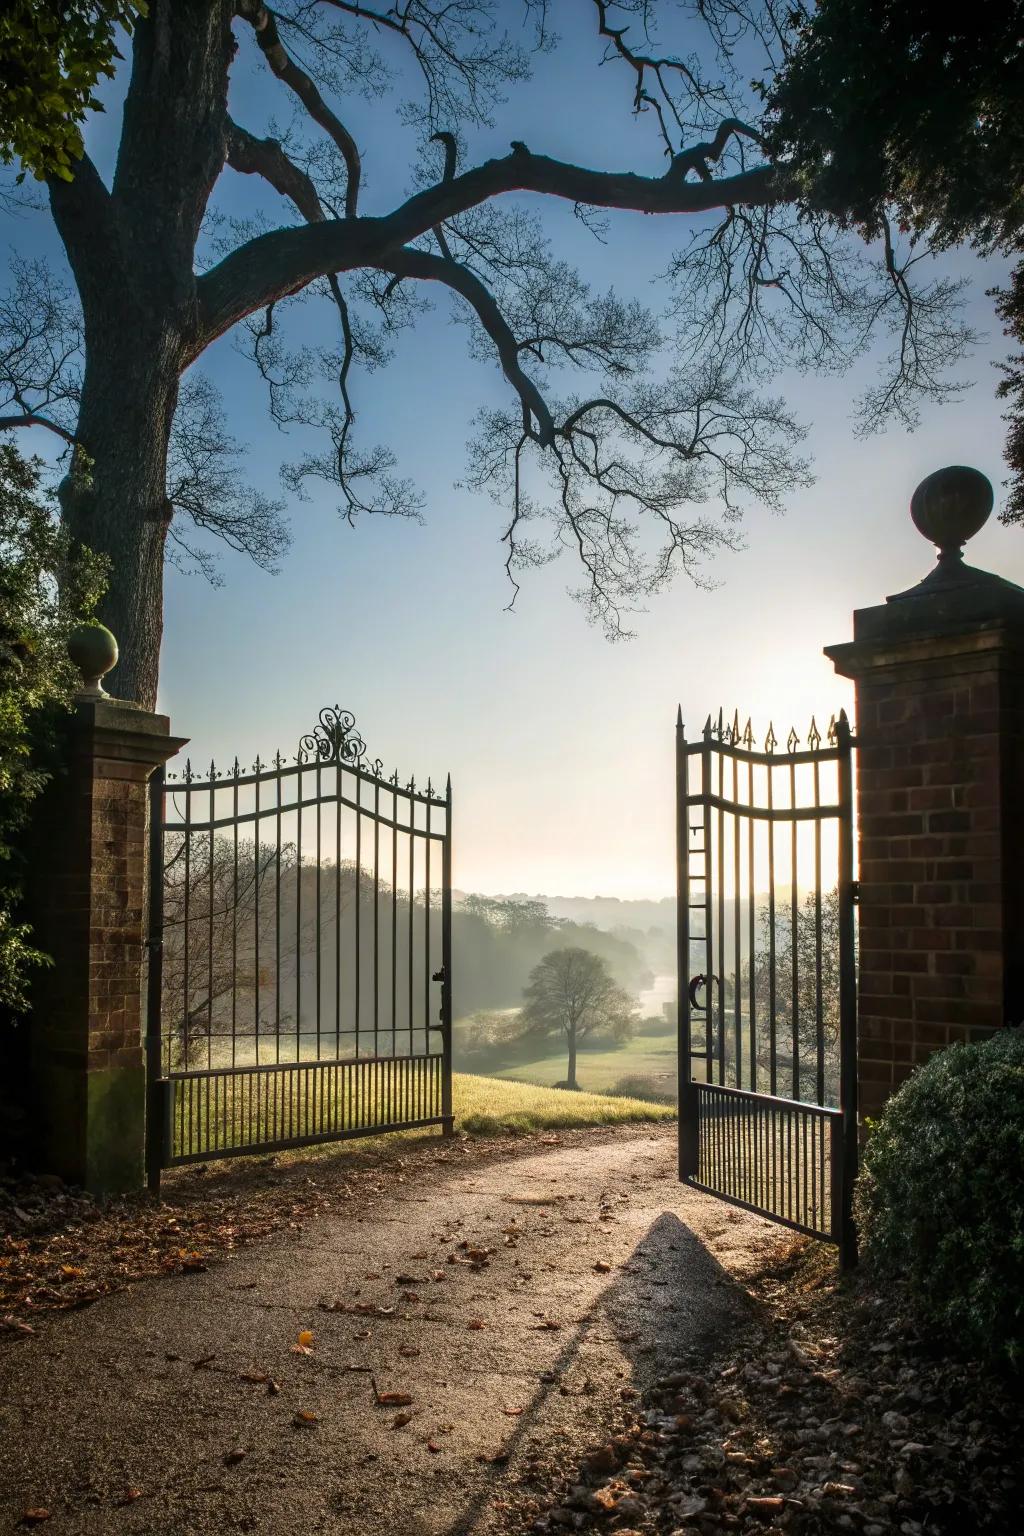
point(300, 965)
point(766, 934)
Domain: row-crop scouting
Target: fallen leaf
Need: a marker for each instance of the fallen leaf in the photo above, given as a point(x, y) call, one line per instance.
point(390, 1399)
point(260, 1378)
point(306, 1338)
point(304, 1420)
point(602, 1267)
point(433, 1446)
point(15, 1325)
point(401, 1419)
point(513, 1413)
point(476, 1323)
point(358, 1308)
point(130, 1495)
point(71, 1271)
point(35, 1516)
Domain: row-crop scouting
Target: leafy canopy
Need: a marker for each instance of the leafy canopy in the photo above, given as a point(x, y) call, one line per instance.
point(37, 680)
point(52, 53)
point(904, 117)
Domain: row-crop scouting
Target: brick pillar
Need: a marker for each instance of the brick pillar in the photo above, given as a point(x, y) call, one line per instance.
point(939, 673)
point(89, 909)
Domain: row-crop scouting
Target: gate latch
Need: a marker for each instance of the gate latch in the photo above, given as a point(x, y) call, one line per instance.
point(696, 982)
point(443, 979)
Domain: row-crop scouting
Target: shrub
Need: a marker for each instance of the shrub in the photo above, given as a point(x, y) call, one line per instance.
point(654, 1090)
point(940, 1200)
point(37, 681)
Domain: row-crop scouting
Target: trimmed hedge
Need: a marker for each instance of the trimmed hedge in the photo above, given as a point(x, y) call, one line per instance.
point(940, 1199)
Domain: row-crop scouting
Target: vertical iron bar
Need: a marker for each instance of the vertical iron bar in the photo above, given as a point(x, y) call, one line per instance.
point(427, 972)
point(187, 917)
point(156, 1103)
point(794, 937)
point(751, 930)
point(359, 903)
point(234, 916)
point(337, 911)
point(277, 927)
point(819, 1001)
point(688, 1149)
point(412, 909)
point(446, 966)
point(847, 1001)
point(319, 898)
point(737, 985)
point(394, 924)
point(209, 927)
point(772, 999)
point(298, 914)
point(376, 917)
point(721, 916)
point(257, 875)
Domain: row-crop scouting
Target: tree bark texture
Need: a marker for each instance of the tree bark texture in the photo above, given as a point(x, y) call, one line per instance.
point(132, 251)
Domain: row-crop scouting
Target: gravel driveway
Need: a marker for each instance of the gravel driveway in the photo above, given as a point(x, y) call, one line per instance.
point(514, 1303)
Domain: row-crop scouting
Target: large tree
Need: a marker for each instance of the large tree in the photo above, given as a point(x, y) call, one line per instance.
point(621, 426)
point(572, 993)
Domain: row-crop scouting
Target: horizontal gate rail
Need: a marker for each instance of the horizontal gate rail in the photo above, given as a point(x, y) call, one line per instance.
point(300, 953)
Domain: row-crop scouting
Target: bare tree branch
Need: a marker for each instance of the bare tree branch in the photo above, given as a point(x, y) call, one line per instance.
point(264, 24)
point(284, 260)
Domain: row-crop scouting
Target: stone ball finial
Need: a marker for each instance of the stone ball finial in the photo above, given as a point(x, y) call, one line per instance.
point(950, 506)
point(93, 650)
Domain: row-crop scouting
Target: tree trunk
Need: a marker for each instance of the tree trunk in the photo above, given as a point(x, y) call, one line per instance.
point(132, 252)
point(129, 395)
point(571, 1075)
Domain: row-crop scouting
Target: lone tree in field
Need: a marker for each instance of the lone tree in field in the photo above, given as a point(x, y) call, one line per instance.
point(630, 438)
point(571, 992)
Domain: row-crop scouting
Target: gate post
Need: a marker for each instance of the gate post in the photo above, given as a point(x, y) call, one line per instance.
point(89, 909)
point(939, 673)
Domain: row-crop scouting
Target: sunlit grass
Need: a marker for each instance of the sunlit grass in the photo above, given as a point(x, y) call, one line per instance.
point(599, 1071)
point(487, 1106)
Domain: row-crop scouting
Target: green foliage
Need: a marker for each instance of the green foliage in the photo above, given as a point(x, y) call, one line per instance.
point(52, 52)
point(36, 679)
point(906, 103)
point(912, 108)
point(940, 1200)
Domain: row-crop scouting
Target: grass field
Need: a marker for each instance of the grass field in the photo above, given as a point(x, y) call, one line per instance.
point(649, 1056)
point(488, 1105)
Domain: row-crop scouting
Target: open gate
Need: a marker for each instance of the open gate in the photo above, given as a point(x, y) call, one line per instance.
point(300, 953)
point(767, 977)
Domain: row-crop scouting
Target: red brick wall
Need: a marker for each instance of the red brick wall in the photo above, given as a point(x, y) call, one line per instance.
point(941, 837)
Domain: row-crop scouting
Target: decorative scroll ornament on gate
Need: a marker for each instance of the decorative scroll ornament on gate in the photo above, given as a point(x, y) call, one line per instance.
point(335, 739)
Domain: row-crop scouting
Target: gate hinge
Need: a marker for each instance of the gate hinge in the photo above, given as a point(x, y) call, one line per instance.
point(855, 892)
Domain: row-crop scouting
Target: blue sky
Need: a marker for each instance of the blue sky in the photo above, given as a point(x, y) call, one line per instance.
point(560, 745)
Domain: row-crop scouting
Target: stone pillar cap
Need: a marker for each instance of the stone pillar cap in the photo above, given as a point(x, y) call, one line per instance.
point(93, 649)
